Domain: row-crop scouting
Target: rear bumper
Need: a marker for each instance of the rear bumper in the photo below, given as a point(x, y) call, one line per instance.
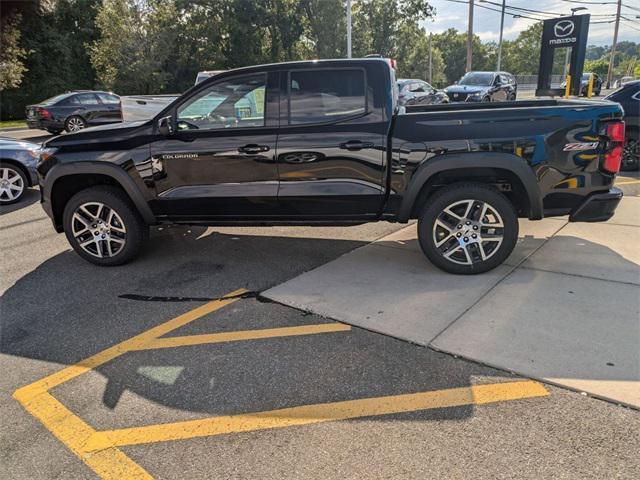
point(597, 207)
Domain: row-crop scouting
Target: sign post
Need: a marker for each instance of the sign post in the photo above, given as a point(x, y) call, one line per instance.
point(569, 32)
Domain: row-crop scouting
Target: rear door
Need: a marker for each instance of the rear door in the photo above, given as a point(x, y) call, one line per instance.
point(219, 164)
point(111, 104)
point(331, 143)
point(92, 110)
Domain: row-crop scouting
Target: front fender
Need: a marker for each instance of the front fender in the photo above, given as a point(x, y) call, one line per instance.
point(505, 161)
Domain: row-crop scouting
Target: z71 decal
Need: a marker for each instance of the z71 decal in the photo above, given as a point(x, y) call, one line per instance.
point(574, 147)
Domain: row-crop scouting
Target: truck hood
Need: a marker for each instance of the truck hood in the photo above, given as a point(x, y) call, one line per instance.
point(100, 133)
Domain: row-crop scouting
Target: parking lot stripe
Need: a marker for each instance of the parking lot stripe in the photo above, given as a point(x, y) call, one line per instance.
point(134, 343)
point(109, 463)
point(318, 413)
point(628, 182)
point(170, 342)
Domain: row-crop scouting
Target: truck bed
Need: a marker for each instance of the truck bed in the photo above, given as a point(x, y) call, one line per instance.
point(452, 107)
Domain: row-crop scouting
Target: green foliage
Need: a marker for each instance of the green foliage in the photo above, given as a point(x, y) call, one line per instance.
point(54, 34)
point(11, 55)
point(522, 55)
point(453, 45)
point(600, 66)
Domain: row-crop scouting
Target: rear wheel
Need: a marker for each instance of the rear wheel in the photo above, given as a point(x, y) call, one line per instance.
point(468, 228)
point(13, 184)
point(103, 227)
point(631, 155)
point(75, 123)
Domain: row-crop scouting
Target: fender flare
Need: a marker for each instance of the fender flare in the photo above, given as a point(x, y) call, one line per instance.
point(504, 161)
point(116, 172)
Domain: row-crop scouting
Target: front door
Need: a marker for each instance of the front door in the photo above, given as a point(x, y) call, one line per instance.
point(331, 145)
point(220, 161)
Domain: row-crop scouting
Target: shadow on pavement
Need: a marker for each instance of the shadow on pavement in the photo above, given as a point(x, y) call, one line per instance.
point(31, 196)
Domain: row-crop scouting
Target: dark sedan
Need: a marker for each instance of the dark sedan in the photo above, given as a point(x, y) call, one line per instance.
point(584, 84)
point(419, 92)
point(629, 97)
point(73, 111)
point(18, 159)
point(484, 87)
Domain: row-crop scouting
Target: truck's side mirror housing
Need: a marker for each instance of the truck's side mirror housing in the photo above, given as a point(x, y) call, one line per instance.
point(165, 126)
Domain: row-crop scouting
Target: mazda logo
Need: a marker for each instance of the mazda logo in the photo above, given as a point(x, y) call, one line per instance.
point(563, 28)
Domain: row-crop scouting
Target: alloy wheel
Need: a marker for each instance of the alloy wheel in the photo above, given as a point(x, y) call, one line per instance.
point(98, 229)
point(74, 124)
point(631, 154)
point(468, 232)
point(11, 184)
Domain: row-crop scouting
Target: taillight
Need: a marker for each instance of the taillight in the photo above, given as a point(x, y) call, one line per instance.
point(613, 157)
point(44, 113)
point(393, 63)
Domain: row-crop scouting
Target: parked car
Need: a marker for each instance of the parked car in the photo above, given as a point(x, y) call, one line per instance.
point(419, 92)
point(73, 111)
point(622, 81)
point(323, 142)
point(18, 160)
point(629, 97)
point(584, 84)
point(484, 87)
point(145, 107)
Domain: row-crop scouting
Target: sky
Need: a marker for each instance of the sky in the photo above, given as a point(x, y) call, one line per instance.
point(486, 23)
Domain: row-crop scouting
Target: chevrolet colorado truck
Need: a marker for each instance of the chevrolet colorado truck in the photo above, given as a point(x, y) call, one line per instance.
point(325, 143)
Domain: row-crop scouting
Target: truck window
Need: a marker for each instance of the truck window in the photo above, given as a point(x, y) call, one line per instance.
point(236, 102)
point(320, 96)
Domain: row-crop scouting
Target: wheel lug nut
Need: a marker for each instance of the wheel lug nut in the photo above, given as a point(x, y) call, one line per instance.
point(475, 227)
point(93, 226)
point(458, 234)
point(459, 226)
point(474, 236)
point(468, 223)
point(103, 235)
point(466, 239)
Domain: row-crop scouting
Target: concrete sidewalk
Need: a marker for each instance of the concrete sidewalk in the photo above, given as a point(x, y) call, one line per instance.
point(564, 308)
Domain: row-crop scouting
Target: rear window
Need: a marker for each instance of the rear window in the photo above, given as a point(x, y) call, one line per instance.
point(56, 99)
point(108, 98)
point(87, 99)
point(319, 96)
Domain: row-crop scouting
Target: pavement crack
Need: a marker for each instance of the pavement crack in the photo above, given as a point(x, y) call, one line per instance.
point(176, 299)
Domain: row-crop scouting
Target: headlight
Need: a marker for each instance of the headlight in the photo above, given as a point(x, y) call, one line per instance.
point(474, 94)
point(46, 153)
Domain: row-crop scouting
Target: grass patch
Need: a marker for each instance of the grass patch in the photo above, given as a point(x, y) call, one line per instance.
point(13, 124)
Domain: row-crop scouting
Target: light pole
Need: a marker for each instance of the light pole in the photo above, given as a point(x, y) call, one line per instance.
point(348, 28)
point(613, 47)
point(469, 37)
point(566, 57)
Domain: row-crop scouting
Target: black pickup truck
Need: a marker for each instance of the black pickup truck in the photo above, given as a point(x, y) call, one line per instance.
point(325, 143)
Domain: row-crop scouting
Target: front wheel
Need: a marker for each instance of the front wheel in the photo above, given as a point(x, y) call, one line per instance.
point(103, 227)
point(468, 228)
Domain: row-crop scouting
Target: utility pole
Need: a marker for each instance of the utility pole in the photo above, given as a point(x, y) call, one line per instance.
point(430, 60)
point(348, 28)
point(469, 37)
point(613, 47)
point(500, 41)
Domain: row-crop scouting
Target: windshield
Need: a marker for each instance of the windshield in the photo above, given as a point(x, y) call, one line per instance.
point(57, 98)
point(476, 78)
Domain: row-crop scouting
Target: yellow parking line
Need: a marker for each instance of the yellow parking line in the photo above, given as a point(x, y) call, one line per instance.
point(111, 463)
point(170, 342)
point(134, 343)
point(628, 182)
point(310, 414)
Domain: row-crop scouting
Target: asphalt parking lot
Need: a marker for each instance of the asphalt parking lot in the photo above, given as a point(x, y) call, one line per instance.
point(177, 366)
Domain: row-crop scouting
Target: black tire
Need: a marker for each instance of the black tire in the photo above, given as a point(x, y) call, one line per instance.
point(477, 195)
point(15, 177)
point(75, 123)
point(54, 131)
point(631, 155)
point(128, 218)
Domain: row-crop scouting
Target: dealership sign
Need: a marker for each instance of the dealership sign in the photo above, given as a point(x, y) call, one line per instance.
point(570, 32)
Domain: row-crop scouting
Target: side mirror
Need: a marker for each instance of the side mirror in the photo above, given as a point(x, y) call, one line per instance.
point(165, 126)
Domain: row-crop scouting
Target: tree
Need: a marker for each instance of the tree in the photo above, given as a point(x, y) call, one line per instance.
point(326, 28)
point(12, 56)
point(453, 45)
point(132, 53)
point(600, 66)
point(522, 55)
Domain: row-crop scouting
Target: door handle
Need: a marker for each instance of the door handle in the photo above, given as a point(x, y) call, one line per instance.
point(353, 145)
point(253, 148)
